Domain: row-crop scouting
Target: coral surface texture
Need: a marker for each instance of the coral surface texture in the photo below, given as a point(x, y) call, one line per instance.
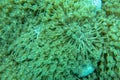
point(59, 39)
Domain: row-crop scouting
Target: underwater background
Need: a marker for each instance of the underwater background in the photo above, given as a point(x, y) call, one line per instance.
point(59, 40)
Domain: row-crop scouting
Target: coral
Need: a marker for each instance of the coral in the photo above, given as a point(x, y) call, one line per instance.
point(112, 7)
point(59, 40)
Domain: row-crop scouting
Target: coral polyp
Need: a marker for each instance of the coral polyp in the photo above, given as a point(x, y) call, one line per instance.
point(59, 40)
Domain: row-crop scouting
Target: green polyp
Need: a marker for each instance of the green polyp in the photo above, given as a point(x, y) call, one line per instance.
point(59, 39)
